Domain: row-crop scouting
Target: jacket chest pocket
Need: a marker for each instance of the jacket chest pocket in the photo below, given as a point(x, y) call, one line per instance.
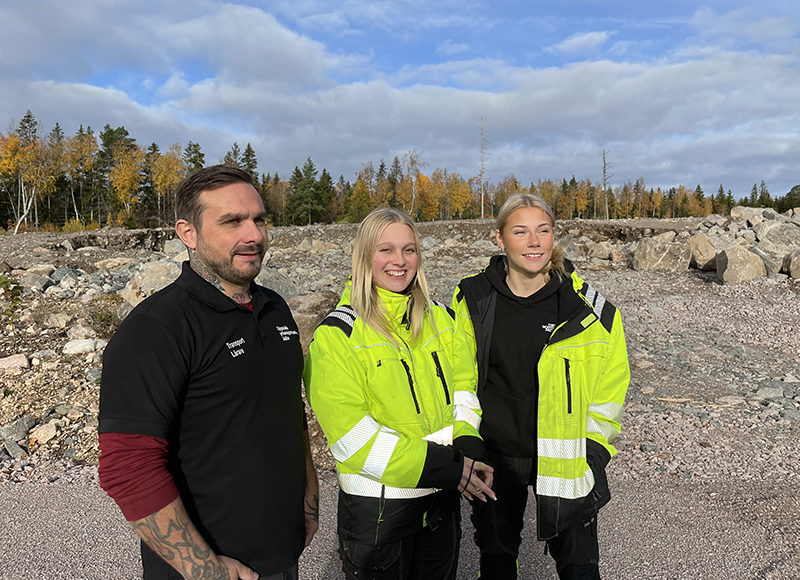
point(393, 391)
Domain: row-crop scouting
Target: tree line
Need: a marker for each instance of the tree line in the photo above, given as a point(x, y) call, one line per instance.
point(54, 182)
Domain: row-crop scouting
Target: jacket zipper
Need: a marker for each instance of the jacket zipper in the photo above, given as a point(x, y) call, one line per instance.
point(569, 387)
point(411, 384)
point(440, 373)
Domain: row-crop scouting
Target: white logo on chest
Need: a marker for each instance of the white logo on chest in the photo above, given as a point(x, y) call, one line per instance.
point(285, 332)
point(235, 347)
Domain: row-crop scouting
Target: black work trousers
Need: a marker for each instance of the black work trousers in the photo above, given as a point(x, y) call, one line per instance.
point(498, 528)
point(430, 554)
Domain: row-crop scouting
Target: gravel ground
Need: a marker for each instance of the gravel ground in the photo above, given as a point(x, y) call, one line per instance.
point(705, 485)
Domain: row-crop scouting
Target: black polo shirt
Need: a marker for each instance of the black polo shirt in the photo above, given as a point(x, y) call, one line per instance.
point(222, 385)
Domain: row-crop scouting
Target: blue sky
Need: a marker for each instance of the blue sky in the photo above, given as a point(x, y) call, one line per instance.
point(676, 92)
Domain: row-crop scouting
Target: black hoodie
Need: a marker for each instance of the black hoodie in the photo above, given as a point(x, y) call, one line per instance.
point(513, 331)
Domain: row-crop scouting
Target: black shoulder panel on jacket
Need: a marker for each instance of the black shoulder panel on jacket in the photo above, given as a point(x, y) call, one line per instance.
point(605, 310)
point(459, 294)
point(342, 318)
point(450, 311)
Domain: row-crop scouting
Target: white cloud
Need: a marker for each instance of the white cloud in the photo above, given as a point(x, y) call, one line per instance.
point(450, 48)
point(580, 43)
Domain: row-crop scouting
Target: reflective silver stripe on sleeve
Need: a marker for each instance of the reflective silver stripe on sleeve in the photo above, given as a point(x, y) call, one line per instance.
point(342, 316)
point(381, 452)
point(349, 444)
point(562, 448)
point(442, 436)
point(468, 416)
point(466, 399)
point(355, 484)
point(611, 410)
point(566, 488)
point(607, 430)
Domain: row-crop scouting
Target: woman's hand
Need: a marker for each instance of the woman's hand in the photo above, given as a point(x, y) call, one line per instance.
point(476, 480)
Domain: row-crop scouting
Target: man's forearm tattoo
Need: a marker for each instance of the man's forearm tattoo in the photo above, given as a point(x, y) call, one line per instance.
point(312, 507)
point(178, 546)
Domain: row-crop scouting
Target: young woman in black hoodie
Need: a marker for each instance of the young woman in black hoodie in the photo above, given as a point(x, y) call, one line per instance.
point(552, 375)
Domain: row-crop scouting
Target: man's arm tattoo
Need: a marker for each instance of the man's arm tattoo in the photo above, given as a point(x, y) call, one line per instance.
point(177, 546)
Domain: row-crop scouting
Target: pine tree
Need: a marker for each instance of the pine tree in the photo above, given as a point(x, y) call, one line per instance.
point(233, 157)
point(249, 163)
point(193, 157)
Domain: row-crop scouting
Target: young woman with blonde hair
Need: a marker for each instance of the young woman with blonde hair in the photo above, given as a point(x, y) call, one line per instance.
point(393, 390)
point(552, 370)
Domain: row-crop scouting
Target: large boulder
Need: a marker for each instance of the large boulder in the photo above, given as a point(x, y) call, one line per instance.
point(738, 264)
point(149, 279)
point(657, 254)
point(308, 311)
point(791, 264)
point(704, 253)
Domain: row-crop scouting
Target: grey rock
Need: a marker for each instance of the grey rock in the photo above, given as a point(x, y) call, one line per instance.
point(13, 449)
point(428, 242)
point(274, 280)
point(43, 433)
point(34, 281)
point(93, 375)
point(83, 345)
point(150, 278)
point(57, 320)
point(704, 253)
point(654, 254)
point(769, 393)
point(736, 264)
point(484, 245)
point(791, 264)
point(80, 331)
point(18, 429)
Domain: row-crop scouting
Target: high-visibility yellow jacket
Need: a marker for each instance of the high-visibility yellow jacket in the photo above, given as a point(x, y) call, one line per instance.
point(583, 375)
point(391, 412)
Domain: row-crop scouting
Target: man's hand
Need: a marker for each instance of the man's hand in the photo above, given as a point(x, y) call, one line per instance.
point(171, 534)
point(476, 480)
point(237, 570)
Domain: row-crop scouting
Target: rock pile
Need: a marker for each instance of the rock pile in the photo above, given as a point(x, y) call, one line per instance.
point(61, 297)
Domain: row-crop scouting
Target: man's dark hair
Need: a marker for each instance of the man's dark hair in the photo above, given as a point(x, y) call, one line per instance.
point(187, 196)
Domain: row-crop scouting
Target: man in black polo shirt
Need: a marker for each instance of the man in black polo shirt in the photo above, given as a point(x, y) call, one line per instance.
point(201, 418)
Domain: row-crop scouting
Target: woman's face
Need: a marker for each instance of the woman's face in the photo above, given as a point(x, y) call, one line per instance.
point(527, 239)
point(394, 263)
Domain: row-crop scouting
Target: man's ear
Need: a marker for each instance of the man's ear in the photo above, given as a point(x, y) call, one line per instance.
point(187, 233)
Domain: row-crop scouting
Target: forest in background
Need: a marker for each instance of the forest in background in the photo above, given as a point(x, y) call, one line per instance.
point(54, 182)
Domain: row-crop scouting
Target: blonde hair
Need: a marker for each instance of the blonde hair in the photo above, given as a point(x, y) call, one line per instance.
point(363, 296)
point(521, 200)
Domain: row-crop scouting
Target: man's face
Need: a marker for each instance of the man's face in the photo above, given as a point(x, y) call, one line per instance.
point(232, 236)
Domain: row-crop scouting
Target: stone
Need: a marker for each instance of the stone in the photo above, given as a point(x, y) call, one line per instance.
point(654, 254)
point(773, 262)
point(80, 331)
point(13, 449)
point(34, 281)
point(17, 430)
point(15, 361)
point(737, 264)
point(745, 213)
point(174, 247)
point(274, 280)
point(57, 320)
point(791, 264)
point(769, 393)
point(83, 345)
point(428, 242)
point(484, 246)
point(704, 253)
point(601, 250)
point(149, 279)
point(778, 237)
point(323, 246)
point(115, 264)
point(41, 434)
point(308, 311)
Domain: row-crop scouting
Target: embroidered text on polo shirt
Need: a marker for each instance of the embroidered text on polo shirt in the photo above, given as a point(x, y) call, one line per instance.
point(233, 347)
